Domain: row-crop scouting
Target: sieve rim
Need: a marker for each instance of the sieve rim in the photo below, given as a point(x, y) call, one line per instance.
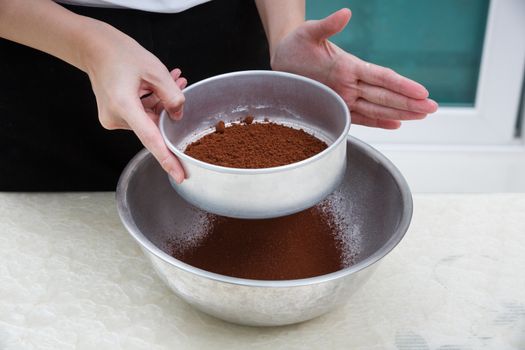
point(164, 118)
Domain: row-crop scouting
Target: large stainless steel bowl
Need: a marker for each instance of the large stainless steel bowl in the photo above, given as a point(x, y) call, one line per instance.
point(285, 98)
point(373, 198)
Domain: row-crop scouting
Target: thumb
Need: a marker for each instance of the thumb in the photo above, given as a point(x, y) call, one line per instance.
point(324, 28)
point(148, 133)
point(170, 95)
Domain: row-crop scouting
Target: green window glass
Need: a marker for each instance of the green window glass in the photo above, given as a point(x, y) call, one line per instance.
point(437, 43)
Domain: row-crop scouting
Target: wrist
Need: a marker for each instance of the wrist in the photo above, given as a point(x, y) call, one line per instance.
point(276, 37)
point(90, 45)
point(279, 19)
point(95, 43)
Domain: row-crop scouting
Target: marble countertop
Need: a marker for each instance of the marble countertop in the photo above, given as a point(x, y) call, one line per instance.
point(72, 278)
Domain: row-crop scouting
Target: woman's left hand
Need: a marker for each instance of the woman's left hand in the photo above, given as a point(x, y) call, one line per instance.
point(376, 96)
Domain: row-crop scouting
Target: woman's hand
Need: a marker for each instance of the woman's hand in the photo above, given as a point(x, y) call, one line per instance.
point(121, 71)
point(377, 96)
point(132, 87)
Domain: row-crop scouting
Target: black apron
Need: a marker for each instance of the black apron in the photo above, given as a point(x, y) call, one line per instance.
point(50, 137)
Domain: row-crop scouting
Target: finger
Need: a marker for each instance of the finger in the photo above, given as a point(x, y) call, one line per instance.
point(175, 73)
point(389, 98)
point(154, 112)
point(150, 101)
point(144, 92)
point(153, 104)
point(158, 109)
point(360, 119)
point(376, 111)
point(387, 78)
point(328, 26)
point(154, 116)
point(149, 134)
point(169, 94)
point(181, 83)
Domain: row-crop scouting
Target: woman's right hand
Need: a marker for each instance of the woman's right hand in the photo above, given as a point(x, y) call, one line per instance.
point(121, 71)
point(132, 87)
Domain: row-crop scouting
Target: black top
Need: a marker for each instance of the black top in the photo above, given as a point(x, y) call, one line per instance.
point(50, 137)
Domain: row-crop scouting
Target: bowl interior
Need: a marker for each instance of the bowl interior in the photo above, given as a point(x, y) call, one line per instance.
point(373, 200)
point(281, 97)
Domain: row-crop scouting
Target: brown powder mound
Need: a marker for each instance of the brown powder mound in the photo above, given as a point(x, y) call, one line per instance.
point(255, 145)
point(296, 246)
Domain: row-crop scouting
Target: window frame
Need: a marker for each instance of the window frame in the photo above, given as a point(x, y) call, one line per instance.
point(492, 119)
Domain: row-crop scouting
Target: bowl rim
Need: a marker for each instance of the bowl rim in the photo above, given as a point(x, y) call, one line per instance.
point(391, 243)
point(240, 171)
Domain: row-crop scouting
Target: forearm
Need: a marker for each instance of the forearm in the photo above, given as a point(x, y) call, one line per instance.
point(280, 17)
point(49, 27)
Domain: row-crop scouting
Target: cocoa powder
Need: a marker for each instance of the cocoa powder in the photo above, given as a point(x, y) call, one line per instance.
point(301, 245)
point(255, 145)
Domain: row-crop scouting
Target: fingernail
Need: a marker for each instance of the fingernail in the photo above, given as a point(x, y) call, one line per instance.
point(177, 115)
point(434, 103)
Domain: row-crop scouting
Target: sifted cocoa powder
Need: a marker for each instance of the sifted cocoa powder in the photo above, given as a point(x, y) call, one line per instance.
point(255, 145)
point(301, 245)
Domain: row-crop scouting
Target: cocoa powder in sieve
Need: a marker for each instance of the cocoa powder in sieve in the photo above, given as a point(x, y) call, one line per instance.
point(255, 145)
point(301, 245)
